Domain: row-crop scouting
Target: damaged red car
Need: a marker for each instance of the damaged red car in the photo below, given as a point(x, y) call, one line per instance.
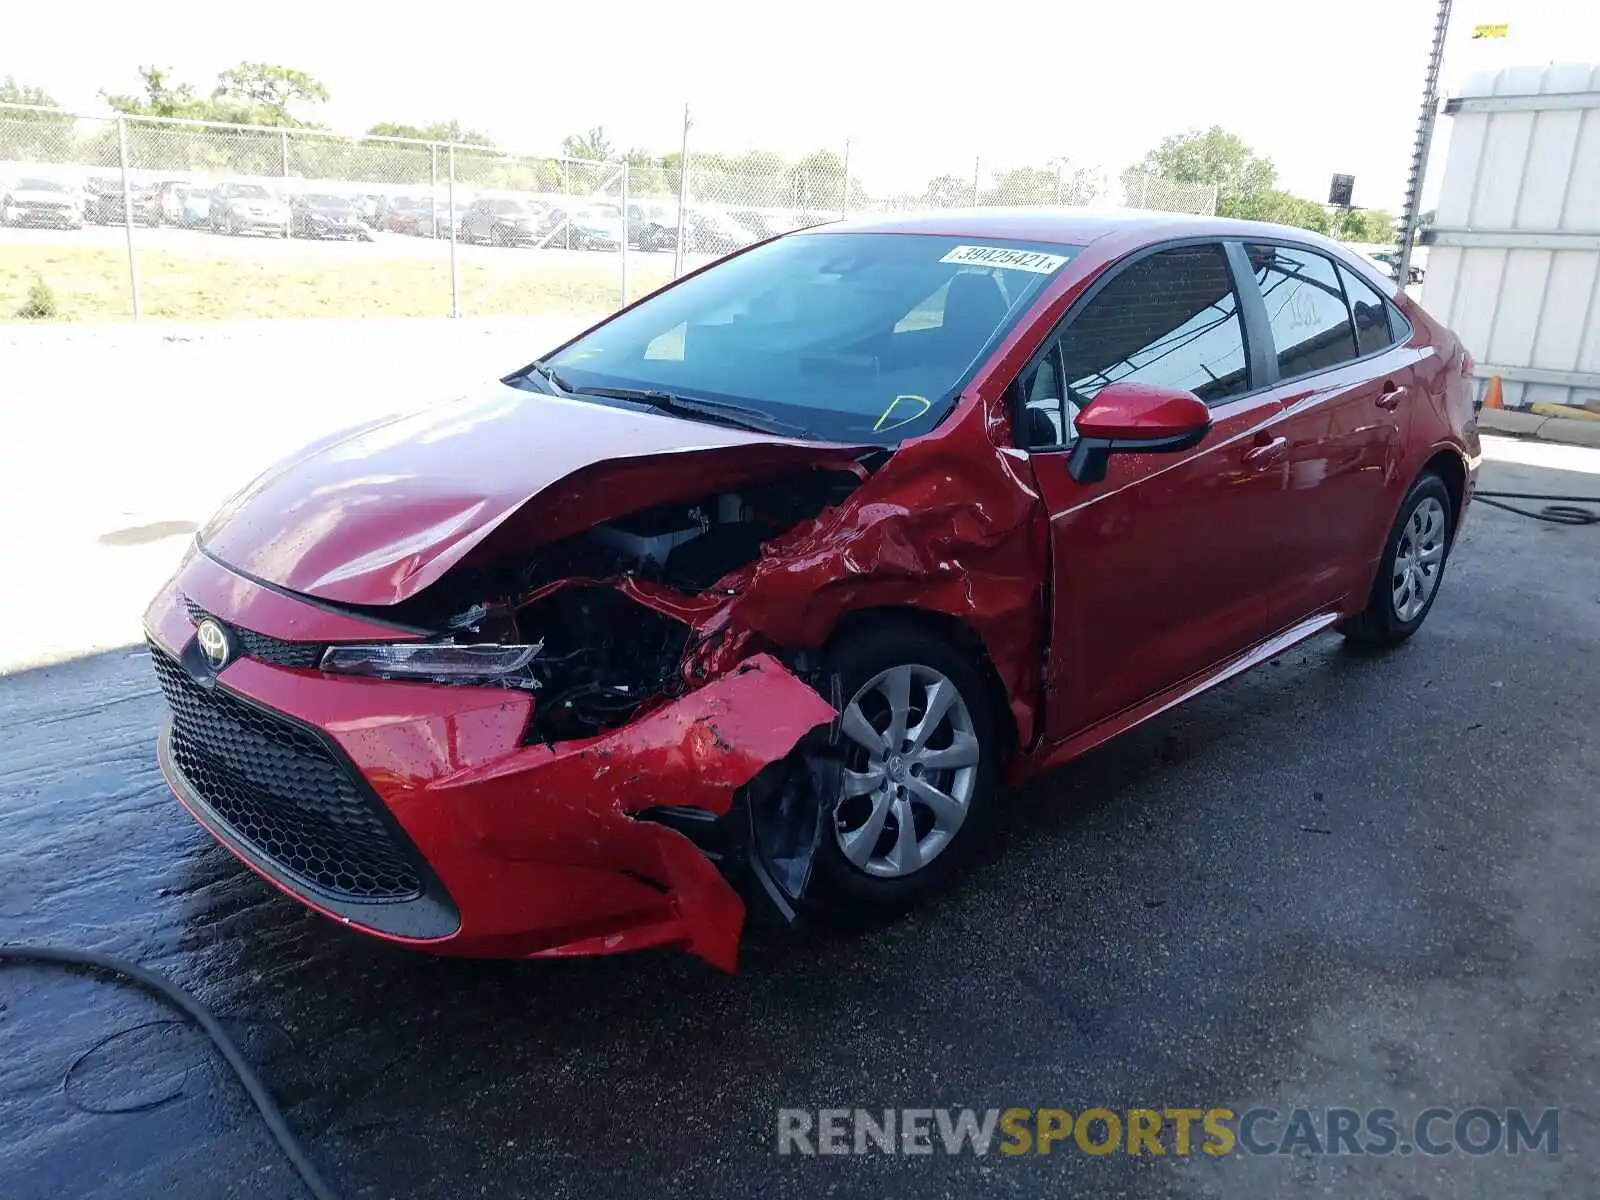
point(754, 596)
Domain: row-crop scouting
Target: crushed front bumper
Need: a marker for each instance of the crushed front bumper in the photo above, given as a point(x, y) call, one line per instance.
point(416, 812)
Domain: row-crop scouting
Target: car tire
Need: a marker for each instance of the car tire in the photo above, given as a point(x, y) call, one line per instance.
point(857, 880)
point(1411, 569)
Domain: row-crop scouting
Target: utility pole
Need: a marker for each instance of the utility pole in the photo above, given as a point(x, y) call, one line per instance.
point(1419, 153)
point(844, 196)
point(683, 195)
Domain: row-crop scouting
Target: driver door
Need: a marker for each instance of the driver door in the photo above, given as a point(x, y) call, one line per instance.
point(1169, 564)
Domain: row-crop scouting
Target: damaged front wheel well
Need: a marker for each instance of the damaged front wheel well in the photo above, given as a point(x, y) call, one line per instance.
point(947, 628)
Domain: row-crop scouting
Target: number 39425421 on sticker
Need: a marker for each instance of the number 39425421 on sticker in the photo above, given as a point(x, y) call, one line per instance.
point(1007, 259)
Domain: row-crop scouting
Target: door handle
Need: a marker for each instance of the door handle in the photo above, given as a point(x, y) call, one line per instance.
point(1267, 453)
point(1389, 398)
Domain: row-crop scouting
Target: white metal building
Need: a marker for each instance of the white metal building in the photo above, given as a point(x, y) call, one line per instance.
point(1514, 266)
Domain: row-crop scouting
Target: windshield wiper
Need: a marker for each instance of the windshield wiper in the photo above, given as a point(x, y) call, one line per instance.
point(545, 372)
point(735, 415)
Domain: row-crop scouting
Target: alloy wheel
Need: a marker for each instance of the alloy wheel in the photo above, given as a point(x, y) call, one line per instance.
point(910, 772)
point(1418, 559)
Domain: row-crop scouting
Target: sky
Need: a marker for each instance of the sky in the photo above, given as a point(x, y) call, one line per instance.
point(917, 92)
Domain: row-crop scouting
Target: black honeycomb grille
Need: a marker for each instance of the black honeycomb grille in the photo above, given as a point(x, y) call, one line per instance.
point(282, 791)
point(276, 651)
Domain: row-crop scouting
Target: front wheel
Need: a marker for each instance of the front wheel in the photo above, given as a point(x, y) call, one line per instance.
point(1411, 568)
point(921, 744)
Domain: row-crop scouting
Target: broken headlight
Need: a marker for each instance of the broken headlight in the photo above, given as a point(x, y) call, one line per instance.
point(438, 662)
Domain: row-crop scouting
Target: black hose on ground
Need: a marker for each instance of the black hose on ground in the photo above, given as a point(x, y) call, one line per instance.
point(1566, 513)
point(164, 989)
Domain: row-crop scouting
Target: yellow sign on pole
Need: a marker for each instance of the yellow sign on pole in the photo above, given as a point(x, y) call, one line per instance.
point(1489, 31)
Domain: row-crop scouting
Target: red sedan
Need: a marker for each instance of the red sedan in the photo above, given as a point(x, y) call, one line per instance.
point(760, 591)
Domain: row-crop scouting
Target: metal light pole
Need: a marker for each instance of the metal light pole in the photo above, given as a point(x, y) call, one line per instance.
point(844, 197)
point(1419, 153)
point(450, 199)
point(127, 211)
point(624, 238)
point(683, 194)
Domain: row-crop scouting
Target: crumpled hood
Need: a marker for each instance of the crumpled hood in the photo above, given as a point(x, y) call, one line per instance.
point(375, 514)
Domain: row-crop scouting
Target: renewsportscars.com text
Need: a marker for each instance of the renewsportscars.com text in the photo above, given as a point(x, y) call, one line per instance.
point(1177, 1131)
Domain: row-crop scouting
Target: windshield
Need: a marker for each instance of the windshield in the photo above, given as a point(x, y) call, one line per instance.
point(327, 202)
point(251, 190)
point(855, 337)
point(39, 185)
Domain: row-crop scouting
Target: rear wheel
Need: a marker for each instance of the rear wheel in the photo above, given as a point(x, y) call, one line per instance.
point(1411, 568)
point(921, 743)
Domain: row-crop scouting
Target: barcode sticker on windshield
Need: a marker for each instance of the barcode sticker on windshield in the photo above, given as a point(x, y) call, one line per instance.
point(1006, 259)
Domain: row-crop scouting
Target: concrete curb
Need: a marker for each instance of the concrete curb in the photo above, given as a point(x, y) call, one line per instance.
point(1570, 431)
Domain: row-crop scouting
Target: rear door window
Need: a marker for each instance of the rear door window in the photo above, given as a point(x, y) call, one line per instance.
point(1306, 309)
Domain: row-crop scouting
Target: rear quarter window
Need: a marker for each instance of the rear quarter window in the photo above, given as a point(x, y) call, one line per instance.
point(1378, 323)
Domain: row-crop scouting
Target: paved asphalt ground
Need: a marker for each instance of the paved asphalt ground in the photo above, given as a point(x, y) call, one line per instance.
point(1338, 881)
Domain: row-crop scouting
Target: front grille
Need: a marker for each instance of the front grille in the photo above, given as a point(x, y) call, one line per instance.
point(276, 651)
point(284, 792)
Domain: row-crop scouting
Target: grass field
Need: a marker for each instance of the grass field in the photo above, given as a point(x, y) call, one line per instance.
point(91, 282)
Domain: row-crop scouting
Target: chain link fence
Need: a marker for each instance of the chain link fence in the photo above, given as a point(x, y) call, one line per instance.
point(105, 217)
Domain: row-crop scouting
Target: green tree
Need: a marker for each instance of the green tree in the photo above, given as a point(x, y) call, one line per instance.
point(32, 136)
point(262, 93)
point(1283, 209)
point(161, 98)
point(1055, 184)
point(947, 191)
point(1241, 176)
point(12, 92)
point(816, 181)
point(249, 94)
point(440, 131)
point(1364, 225)
point(593, 145)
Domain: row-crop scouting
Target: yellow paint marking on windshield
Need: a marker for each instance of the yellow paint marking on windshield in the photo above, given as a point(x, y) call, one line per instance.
point(923, 401)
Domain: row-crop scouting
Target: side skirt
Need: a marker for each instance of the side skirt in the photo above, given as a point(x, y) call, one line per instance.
point(1054, 754)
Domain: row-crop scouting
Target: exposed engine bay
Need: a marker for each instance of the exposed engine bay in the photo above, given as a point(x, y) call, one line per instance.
point(604, 654)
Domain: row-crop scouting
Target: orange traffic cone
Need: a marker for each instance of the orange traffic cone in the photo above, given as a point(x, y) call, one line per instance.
point(1491, 394)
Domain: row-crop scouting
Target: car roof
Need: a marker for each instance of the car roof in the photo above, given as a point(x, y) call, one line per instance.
point(1065, 226)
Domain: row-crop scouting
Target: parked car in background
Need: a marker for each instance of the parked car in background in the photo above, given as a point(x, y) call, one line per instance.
point(600, 226)
point(411, 215)
point(445, 219)
point(647, 220)
point(757, 224)
point(248, 208)
point(103, 202)
point(502, 221)
point(33, 200)
point(761, 591)
point(583, 227)
point(323, 215)
point(184, 204)
point(705, 231)
point(1389, 262)
point(715, 231)
point(370, 206)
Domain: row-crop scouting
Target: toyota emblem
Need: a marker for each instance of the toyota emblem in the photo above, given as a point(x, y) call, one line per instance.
point(215, 644)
